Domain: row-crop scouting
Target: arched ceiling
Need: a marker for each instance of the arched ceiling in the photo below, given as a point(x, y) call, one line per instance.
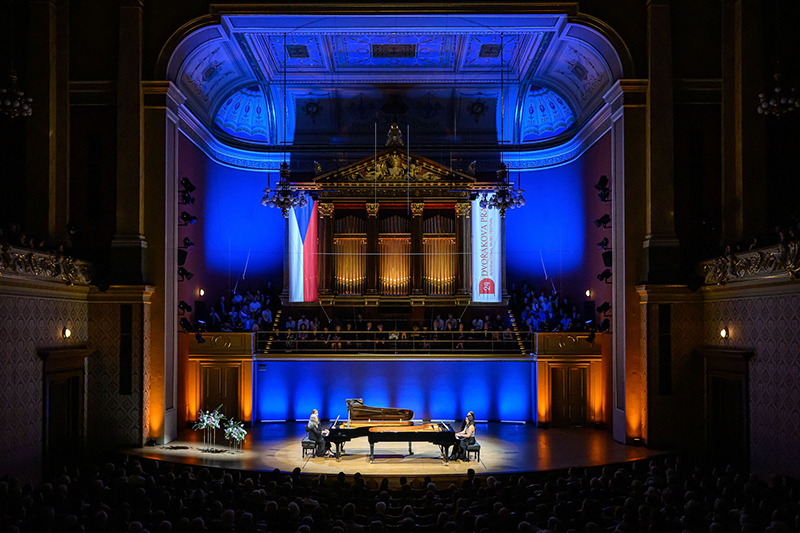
point(468, 78)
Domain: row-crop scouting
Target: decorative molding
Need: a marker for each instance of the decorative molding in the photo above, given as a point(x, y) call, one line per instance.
point(416, 209)
point(33, 264)
point(779, 261)
point(463, 209)
point(372, 209)
point(325, 209)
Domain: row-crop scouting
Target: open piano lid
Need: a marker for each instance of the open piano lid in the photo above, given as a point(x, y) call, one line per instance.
point(356, 410)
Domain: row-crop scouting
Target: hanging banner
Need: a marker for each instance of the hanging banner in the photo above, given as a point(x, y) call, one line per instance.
point(487, 269)
point(303, 253)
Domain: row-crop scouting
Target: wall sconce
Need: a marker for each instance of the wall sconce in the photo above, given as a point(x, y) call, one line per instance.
point(202, 293)
point(66, 333)
point(588, 293)
point(724, 333)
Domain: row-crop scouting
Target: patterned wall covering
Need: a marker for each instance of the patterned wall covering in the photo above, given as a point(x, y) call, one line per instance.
point(683, 406)
point(769, 325)
point(28, 323)
point(116, 419)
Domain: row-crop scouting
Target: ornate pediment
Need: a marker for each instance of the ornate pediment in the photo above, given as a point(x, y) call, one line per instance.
point(395, 166)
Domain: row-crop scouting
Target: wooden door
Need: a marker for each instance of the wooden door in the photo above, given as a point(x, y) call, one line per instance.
point(727, 424)
point(64, 416)
point(568, 395)
point(221, 387)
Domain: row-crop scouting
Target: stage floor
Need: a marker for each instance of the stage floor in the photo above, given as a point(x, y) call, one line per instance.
point(505, 448)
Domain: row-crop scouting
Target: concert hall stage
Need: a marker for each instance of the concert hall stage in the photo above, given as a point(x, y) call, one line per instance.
point(505, 448)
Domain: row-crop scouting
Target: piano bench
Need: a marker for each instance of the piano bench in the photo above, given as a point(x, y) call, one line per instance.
point(474, 450)
point(309, 446)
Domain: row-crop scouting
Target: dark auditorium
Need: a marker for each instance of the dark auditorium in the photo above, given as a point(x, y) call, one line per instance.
point(384, 267)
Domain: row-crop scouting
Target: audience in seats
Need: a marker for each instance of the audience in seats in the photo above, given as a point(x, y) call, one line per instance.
point(653, 496)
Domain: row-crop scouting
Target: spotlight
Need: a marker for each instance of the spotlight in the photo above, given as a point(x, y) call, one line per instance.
point(201, 326)
point(187, 185)
point(199, 338)
point(602, 276)
point(604, 221)
point(66, 333)
point(602, 183)
point(605, 195)
point(183, 306)
point(184, 274)
point(590, 338)
point(186, 325)
point(604, 308)
point(187, 242)
point(604, 326)
point(602, 244)
point(189, 219)
point(186, 198)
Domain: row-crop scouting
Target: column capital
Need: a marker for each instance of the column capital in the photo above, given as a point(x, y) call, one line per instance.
point(416, 209)
point(325, 209)
point(463, 209)
point(372, 209)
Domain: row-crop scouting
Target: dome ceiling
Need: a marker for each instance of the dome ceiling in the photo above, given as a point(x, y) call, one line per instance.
point(473, 78)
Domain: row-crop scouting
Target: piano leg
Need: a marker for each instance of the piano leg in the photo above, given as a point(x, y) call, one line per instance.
point(371, 452)
point(410, 451)
point(445, 454)
point(339, 449)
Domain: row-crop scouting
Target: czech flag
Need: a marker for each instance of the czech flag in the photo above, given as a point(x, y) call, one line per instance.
point(303, 253)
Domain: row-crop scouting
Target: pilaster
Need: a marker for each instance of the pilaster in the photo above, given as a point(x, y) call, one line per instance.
point(325, 247)
point(372, 248)
point(464, 239)
point(416, 247)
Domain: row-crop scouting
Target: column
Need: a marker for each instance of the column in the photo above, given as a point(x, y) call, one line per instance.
point(417, 261)
point(661, 247)
point(47, 130)
point(464, 240)
point(743, 130)
point(325, 247)
point(627, 99)
point(129, 245)
point(372, 248)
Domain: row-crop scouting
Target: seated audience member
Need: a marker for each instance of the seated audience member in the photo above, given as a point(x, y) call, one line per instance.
point(380, 337)
point(237, 298)
point(461, 336)
point(226, 327)
point(477, 324)
point(255, 307)
point(291, 324)
point(303, 321)
point(438, 323)
point(336, 338)
point(266, 318)
point(223, 306)
point(214, 320)
point(452, 321)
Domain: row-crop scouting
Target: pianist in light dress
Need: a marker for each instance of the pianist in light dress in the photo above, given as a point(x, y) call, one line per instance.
point(317, 434)
point(466, 437)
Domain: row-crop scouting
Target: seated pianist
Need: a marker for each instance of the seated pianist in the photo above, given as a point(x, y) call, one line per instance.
point(317, 434)
point(466, 437)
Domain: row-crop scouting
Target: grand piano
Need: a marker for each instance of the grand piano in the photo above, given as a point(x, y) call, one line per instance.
point(387, 424)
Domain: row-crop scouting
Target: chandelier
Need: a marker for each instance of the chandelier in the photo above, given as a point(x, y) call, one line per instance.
point(13, 102)
point(284, 196)
point(780, 102)
point(504, 196)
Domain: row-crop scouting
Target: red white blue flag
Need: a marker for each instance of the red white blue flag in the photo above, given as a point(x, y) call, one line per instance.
point(303, 253)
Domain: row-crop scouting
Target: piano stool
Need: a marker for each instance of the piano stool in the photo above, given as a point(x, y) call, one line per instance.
point(309, 446)
point(474, 450)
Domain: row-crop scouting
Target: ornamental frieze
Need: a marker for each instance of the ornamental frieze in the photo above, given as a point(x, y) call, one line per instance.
point(775, 261)
point(43, 266)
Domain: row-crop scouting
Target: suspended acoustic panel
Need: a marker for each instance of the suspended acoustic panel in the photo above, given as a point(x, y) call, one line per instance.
point(544, 114)
point(245, 114)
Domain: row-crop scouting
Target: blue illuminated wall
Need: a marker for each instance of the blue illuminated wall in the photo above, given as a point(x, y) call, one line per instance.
point(232, 230)
point(437, 390)
point(557, 226)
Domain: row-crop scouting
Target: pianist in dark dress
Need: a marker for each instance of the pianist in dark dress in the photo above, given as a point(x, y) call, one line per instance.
point(317, 434)
point(466, 437)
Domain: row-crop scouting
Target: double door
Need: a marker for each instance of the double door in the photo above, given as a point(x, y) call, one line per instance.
point(568, 389)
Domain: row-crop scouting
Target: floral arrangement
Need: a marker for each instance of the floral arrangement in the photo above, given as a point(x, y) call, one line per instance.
point(208, 421)
point(234, 431)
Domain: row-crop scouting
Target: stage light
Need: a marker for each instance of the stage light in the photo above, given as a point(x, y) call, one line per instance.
point(66, 333)
point(723, 333)
point(604, 221)
point(183, 306)
point(605, 195)
point(199, 338)
point(604, 326)
point(591, 337)
point(187, 218)
point(602, 183)
point(184, 274)
point(187, 242)
point(201, 326)
point(605, 307)
point(186, 198)
point(202, 293)
point(604, 275)
point(187, 185)
point(186, 325)
point(602, 244)
point(588, 293)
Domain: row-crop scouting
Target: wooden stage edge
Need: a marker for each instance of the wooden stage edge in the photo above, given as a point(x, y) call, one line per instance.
point(505, 448)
